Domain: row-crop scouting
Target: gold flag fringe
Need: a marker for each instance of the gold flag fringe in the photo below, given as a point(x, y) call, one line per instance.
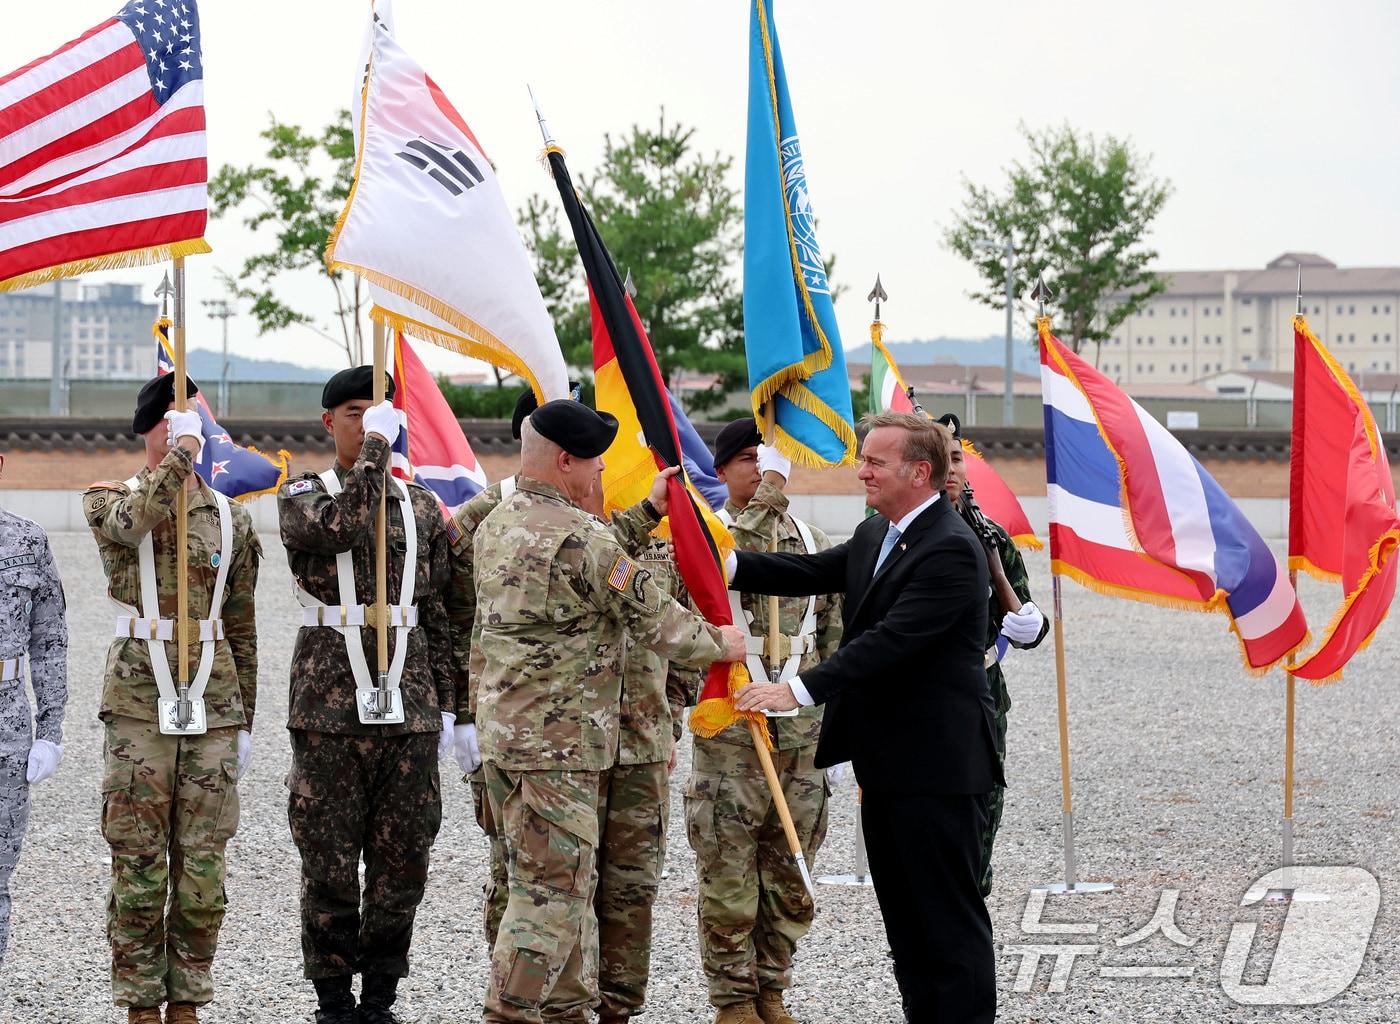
point(112, 261)
point(1384, 547)
point(711, 717)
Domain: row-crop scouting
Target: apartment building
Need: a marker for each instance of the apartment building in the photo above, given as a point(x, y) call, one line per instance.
point(1213, 321)
point(105, 331)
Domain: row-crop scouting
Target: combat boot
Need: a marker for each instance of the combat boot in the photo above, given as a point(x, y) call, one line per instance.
point(771, 1008)
point(738, 1013)
point(377, 994)
point(336, 1000)
point(181, 1013)
point(143, 1015)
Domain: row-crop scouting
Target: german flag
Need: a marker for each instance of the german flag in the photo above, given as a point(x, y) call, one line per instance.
point(628, 384)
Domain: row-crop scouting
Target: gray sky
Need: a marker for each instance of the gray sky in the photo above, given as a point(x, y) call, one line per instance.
point(1276, 122)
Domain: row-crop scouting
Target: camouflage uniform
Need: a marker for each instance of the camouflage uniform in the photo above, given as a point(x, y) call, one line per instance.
point(31, 626)
point(363, 791)
point(753, 906)
point(170, 803)
point(633, 851)
point(1015, 568)
point(461, 613)
point(556, 593)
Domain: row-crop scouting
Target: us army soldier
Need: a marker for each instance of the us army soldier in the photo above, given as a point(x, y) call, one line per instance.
point(555, 593)
point(1024, 628)
point(753, 905)
point(170, 802)
point(364, 790)
point(33, 633)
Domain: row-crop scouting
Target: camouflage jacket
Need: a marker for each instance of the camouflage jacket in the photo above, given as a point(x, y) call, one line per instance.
point(120, 517)
point(1015, 568)
point(32, 619)
point(555, 594)
point(753, 528)
point(655, 692)
point(315, 528)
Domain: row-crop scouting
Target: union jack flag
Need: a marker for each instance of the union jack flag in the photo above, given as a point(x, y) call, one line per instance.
point(103, 160)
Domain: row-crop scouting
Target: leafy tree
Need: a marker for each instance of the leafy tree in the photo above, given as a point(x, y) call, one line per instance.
point(298, 194)
point(669, 217)
point(1079, 210)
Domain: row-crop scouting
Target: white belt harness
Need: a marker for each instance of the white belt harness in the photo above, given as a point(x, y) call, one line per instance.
point(804, 643)
point(13, 668)
point(147, 624)
point(349, 616)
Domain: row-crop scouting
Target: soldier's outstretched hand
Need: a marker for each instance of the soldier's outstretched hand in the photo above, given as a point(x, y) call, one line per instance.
point(735, 643)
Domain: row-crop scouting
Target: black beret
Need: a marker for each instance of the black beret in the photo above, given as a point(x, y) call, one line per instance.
point(528, 403)
point(573, 426)
point(951, 421)
point(734, 438)
point(348, 385)
point(154, 401)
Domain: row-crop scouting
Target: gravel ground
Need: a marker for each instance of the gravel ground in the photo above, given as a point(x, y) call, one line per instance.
point(1178, 764)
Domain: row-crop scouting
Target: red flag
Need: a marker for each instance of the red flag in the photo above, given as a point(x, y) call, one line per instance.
point(1342, 523)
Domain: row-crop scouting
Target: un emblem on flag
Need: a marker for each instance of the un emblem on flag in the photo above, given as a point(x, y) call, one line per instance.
point(803, 219)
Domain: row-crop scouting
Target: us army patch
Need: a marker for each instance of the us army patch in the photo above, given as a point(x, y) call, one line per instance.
point(299, 487)
point(620, 575)
point(454, 531)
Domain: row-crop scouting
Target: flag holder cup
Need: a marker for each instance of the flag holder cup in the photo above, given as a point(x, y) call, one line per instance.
point(379, 704)
point(182, 715)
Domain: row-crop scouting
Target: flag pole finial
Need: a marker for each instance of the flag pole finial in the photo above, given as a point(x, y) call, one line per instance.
point(1298, 305)
point(163, 292)
point(544, 125)
point(1041, 294)
point(877, 295)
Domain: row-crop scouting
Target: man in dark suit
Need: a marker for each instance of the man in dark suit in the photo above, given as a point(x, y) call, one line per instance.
point(906, 702)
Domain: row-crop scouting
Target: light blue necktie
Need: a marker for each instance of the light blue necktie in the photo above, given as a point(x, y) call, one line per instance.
point(891, 538)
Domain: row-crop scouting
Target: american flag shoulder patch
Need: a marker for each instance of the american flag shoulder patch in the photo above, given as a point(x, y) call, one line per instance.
point(620, 575)
point(454, 531)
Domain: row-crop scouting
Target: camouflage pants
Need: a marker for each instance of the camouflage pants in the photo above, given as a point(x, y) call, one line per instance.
point(495, 888)
point(370, 797)
point(169, 807)
point(1001, 699)
point(753, 906)
point(629, 873)
point(544, 965)
point(14, 792)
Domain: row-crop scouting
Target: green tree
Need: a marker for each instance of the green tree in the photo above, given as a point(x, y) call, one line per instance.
point(297, 195)
point(1079, 210)
point(671, 220)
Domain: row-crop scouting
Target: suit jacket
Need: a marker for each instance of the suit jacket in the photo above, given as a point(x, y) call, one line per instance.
point(906, 696)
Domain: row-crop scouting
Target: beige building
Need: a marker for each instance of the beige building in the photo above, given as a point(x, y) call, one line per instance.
point(106, 332)
point(1212, 321)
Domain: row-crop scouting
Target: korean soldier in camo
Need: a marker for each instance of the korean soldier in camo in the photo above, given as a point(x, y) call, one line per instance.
point(363, 791)
point(33, 634)
point(753, 905)
point(1024, 628)
point(555, 594)
point(170, 802)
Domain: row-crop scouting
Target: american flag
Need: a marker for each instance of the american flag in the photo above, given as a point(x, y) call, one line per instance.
point(102, 149)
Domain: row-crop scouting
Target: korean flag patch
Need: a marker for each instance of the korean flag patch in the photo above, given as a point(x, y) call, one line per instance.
point(300, 487)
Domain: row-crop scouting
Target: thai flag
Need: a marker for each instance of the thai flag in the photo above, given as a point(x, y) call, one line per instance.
point(1132, 513)
point(431, 448)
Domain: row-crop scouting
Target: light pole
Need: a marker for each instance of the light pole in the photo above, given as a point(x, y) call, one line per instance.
point(1008, 404)
point(220, 309)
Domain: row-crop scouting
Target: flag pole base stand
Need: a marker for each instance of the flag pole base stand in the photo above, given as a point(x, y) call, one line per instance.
point(852, 880)
point(1073, 888)
point(1285, 893)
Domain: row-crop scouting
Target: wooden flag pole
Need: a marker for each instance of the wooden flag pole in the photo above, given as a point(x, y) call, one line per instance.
point(182, 557)
point(381, 567)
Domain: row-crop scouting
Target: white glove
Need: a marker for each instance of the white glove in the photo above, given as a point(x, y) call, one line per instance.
point(382, 419)
point(245, 752)
point(834, 774)
point(1023, 626)
point(184, 424)
point(445, 737)
point(465, 749)
point(43, 760)
point(770, 458)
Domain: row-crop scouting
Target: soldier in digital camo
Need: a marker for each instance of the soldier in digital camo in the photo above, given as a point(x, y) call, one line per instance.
point(363, 789)
point(753, 905)
point(555, 593)
point(1023, 628)
point(33, 634)
point(170, 802)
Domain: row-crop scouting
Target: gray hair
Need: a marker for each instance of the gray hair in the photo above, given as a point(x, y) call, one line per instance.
point(925, 440)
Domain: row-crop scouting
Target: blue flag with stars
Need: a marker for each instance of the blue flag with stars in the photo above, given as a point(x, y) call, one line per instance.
point(790, 336)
